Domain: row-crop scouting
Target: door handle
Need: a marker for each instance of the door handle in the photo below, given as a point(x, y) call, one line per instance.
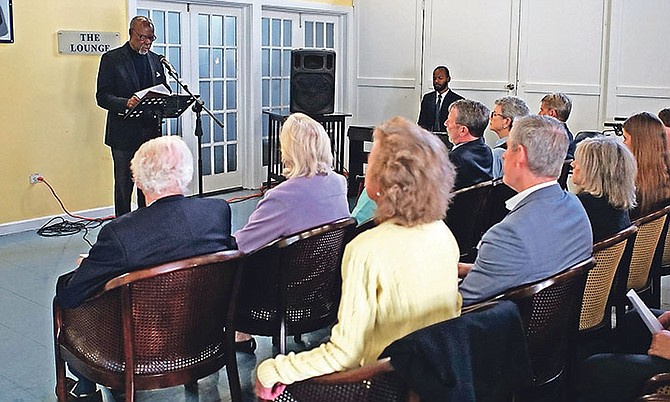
point(510, 86)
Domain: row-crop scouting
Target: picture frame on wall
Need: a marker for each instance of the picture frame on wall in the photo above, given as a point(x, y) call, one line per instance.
point(6, 22)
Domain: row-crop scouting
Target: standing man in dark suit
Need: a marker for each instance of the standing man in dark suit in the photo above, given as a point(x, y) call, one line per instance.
point(470, 155)
point(171, 228)
point(124, 71)
point(435, 104)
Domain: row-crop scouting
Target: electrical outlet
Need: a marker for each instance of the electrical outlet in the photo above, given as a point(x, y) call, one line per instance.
point(34, 178)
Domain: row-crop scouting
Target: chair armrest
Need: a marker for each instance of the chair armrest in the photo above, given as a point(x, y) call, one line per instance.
point(376, 381)
point(653, 398)
point(658, 382)
point(355, 375)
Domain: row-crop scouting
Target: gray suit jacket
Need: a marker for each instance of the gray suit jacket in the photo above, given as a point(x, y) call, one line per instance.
point(547, 232)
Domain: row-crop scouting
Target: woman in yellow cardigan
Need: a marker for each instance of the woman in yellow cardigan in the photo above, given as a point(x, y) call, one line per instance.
point(398, 277)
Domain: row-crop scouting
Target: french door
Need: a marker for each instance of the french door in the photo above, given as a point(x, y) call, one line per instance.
point(204, 45)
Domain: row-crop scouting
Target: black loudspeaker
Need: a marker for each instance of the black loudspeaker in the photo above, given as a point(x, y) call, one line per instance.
point(312, 81)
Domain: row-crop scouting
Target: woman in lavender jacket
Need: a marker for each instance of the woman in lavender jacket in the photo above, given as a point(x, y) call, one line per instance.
point(312, 195)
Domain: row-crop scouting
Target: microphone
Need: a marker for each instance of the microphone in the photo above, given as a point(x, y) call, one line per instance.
point(167, 65)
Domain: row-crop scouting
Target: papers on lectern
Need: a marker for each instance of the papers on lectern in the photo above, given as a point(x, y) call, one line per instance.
point(156, 90)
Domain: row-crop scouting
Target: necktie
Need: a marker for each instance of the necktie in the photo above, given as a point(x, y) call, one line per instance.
point(436, 126)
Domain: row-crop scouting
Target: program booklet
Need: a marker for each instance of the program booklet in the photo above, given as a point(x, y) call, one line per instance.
point(647, 316)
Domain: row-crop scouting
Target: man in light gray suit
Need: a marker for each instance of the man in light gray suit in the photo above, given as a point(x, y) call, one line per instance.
point(546, 230)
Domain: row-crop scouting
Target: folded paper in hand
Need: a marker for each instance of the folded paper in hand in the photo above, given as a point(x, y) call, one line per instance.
point(647, 316)
point(151, 99)
point(156, 90)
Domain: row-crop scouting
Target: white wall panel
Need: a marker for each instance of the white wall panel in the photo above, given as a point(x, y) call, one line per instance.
point(561, 42)
point(639, 68)
point(476, 39)
point(388, 60)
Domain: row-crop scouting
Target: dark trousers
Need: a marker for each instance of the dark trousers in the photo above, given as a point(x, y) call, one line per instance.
point(619, 376)
point(123, 182)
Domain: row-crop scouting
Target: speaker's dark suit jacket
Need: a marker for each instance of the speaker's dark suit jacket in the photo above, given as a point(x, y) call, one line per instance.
point(427, 113)
point(473, 161)
point(117, 82)
point(170, 229)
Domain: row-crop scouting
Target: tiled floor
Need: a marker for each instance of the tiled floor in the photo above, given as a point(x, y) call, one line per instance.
point(29, 267)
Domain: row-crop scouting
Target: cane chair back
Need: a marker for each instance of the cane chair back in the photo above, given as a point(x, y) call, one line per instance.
point(467, 215)
point(657, 388)
point(550, 314)
point(154, 328)
point(665, 257)
point(649, 232)
point(377, 382)
point(596, 303)
point(293, 285)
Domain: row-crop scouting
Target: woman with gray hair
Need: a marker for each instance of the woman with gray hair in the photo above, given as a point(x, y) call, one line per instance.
point(604, 173)
point(399, 276)
point(312, 195)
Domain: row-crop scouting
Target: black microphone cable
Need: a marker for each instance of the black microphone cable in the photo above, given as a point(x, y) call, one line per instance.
point(59, 226)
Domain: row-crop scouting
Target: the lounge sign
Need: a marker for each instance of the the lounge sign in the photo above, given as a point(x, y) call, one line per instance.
point(77, 42)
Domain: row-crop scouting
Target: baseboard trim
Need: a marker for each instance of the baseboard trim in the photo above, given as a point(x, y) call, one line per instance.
point(36, 223)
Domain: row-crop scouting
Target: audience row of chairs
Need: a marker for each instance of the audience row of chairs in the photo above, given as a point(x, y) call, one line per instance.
point(552, 314)
point(172, 323)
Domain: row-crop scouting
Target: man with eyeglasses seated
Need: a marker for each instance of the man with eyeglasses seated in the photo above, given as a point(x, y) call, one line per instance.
point(470, 155)
point(123, 72)
point(547, 229)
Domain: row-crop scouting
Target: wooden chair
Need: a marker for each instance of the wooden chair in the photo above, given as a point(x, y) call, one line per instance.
point(377, 382)
point(661, 267)
point(550, 313)
point(640, 256)
point(293, 285)
point(154, 328)
point(656, 389)
point(467, 216)
point(596, 302)
point(654, 398)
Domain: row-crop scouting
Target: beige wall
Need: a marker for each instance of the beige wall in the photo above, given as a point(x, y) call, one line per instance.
point(49, 122)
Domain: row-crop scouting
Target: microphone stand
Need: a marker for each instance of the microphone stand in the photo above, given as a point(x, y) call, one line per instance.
point(198, 107)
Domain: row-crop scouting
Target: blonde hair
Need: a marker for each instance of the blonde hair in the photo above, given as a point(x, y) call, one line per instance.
point(648, 144)
point(414, 174)
point(608, 170)
point(163, 164)
point(305, 147)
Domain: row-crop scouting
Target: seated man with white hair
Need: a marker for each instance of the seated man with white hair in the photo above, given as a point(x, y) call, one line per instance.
point(170, 228)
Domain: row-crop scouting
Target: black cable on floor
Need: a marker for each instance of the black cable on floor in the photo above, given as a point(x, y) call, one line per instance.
point(59, 226)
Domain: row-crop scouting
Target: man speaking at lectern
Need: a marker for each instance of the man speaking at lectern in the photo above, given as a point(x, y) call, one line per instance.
point(124, 71)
